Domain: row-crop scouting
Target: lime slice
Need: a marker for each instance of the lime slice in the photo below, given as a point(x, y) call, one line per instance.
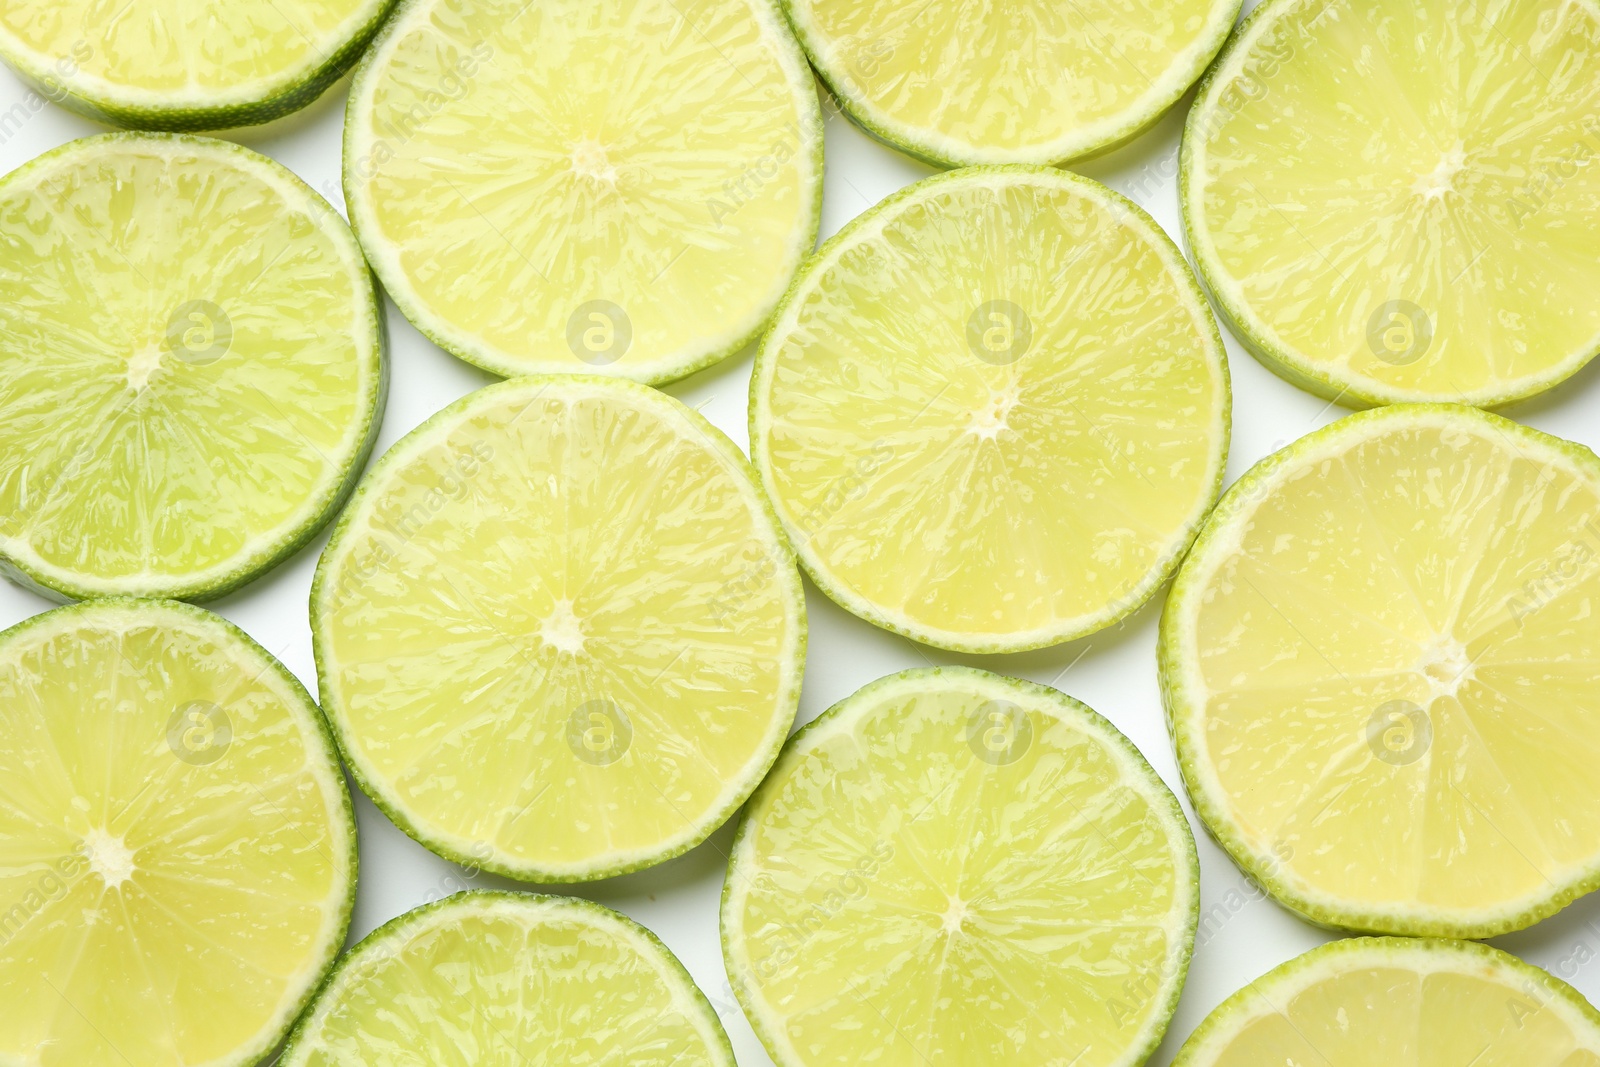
point(515, 980)
point(182, 64)
point(622, 187)
point(558, 633)
point(193, 371)
point(1379, 667)
point(177, 849)
point(1400, 1002)
point(993, 411)
point(954, 867)
point(1435, 239)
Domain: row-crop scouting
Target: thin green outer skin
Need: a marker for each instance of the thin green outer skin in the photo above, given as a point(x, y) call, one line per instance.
point(789, 700)
point(1356, 392)
point(1183, 713)
point(1223, 1017)
point(1225, 15)
point(327, 750)
point(1066, 708)
point(297, 91)
point(660, 372)
point(761, 374)
point(85, 587)
point(395, 929)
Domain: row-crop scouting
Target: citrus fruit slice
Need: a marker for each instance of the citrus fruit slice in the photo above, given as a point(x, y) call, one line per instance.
point(181, 65)
point(993, 411)
point(177, 849)
point(510, 980)
point(954, 82)
point(193, 371)
point(954, 867)
point(1378, 662)
point(1435, 239)
point(1400, 1002)
point(605, 186)
point(559, 634)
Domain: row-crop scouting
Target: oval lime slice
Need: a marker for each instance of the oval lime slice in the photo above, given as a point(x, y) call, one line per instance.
point(955, 82)
point(180, 65)
point(558, 633)
point(616, 187)
point(1434, 238)
point(1378, 663)
point(177, 849)
point(993, 411)
point(193, 368)
point(512, 979)
point(954, 867)
point(1399, 1002)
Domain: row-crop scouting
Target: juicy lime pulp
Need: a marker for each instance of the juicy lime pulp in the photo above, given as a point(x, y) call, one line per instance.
point(993, 411)
point(1434, 240)
point(177, 849)
point(1400, 1002)
point(193, 368)
point(954, 867)
point(456, 978)
point(955, 82)
point(1378, 662)
point(644, 175)
point(183, 65)
point(558, 632)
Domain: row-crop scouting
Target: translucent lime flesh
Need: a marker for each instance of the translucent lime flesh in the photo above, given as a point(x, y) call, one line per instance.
point(1434, 239)
point(191, 368)
point(1383, 669)
point(647, 204)
point(176, 848)
point(907, 882)
point(993, 413)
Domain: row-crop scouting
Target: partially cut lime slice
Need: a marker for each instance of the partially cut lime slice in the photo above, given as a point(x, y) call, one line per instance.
point(954, 867)
point(1400, 1002)
point(957, 82)
point(558, 632)
point(192, 373)
point(1379, 666)
point(182, 64)
point(993, 411)
point(607, 186)
point(177, 850)
point(1434, 238)
point(510, 980)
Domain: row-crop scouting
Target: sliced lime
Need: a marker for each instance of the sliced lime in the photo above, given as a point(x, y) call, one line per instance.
point(193, 369)
point(177, 850)
point(954, 867)
point(993, 411)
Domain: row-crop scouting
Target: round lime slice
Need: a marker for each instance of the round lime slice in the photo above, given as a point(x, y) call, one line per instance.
point(558, 633)
point(510, 979)
point(623, 187)
point(954, 867)
point(993, 411)
point(177, 849)
point(192, 374)
point(1434, 238)
point(1378, 662)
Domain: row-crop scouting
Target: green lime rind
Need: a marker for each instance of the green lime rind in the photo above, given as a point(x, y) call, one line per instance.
point(320, 609)
point(63, 587)
point(1033, 696)
point(761, 382)
point(131, 110)
point(1182, 709)
point(443, 334)
point(382, 941)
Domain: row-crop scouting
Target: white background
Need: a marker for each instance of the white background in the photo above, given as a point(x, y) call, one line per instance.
point(1114, 672)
